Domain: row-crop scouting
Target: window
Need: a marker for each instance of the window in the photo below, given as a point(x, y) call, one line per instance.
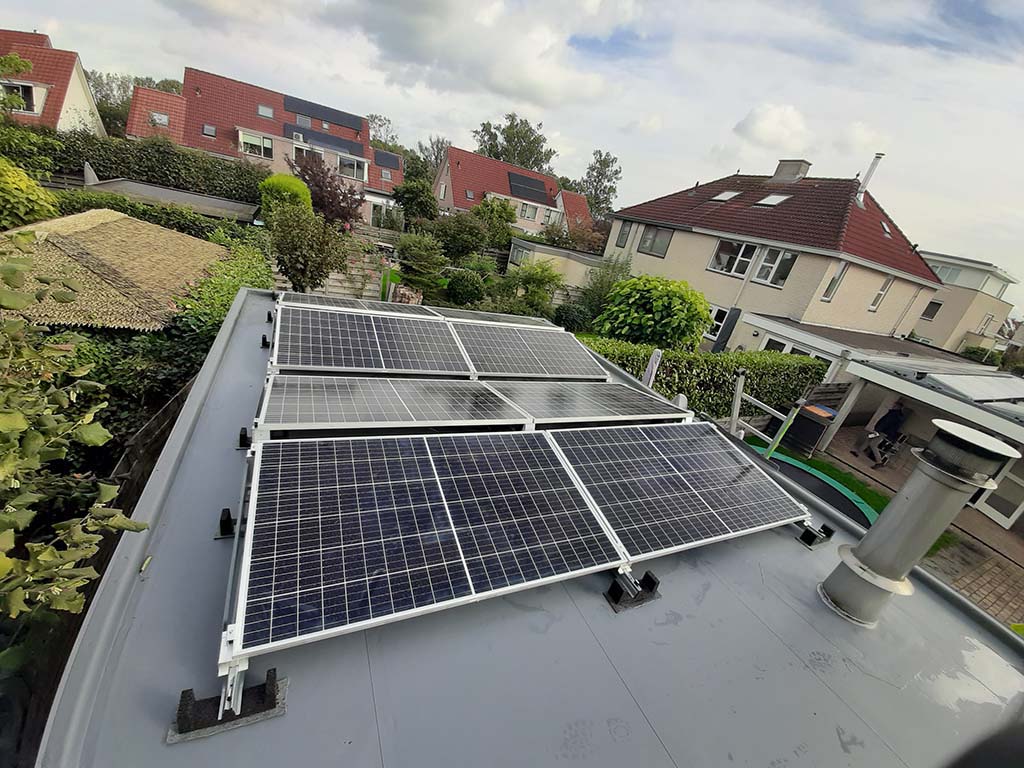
point(264, 111)
point(946, 273)
point(385, 173)
point(655, 241)
point(325, 125)
point(837, 278)
point(773, 199)
point(721, 197)
point(443, 191)
point(352, 168)
point(624, 228)
point(732, 258)
point(775, 267)
point(886, 230)
point(931, 310)
point(209, 130)
point(798, 351)
point(527, 211)
point(469, 194)
point(877, 301)
point(552, 216)
point(985, 324)
point(517, 255)
point(301, 152)
point(25, 92)
point(774, 345)
point(261, 146)
point(993, 286)
point(718, 315)
point(303, 122)
point(160, 119)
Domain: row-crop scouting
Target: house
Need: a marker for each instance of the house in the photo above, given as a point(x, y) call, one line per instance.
point(819, 251)
point(466, 178)
point(574, 266)
point(232, 119)
point(55, 92)
point(971, 311)
point(128, 273)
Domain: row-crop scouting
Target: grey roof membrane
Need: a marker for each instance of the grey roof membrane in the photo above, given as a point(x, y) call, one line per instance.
point(737, 663)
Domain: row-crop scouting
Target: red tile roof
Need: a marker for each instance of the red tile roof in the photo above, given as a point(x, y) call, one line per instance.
point(50, 67)
point(577, 209)
point(819, 213)
point(146, 100)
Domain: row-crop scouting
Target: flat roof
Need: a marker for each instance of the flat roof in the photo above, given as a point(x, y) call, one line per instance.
point(986, 266)
point(737, 662)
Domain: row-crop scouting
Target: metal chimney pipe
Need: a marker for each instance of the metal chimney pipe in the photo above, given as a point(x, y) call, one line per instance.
point(956, 462)
point(867, 177)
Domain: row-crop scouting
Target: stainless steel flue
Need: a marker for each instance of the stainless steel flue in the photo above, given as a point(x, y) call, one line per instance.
point(956, 462)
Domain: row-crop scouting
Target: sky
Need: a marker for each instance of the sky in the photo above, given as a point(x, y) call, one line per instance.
point(679, 92)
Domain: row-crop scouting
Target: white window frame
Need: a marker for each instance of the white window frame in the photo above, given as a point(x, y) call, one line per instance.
point(305, 148)
point(261, 141)
point(773, 267)
point(528, 212)
point(721, 197)
point(625, 230)
point(357, 161)
point(947, 273)
point(443, 190)
point(885, 229)
point(212, 133)
point(711, 333)
point(876, 302)
point(649, 249)
point(308, 124)
point(835, 281)
point(159, 119)
point(385, 174)
point(470, 194)
point(263, 110)
point(746, 255)
point(37, 104)
point(773, 200)
point(518, 255)
point(936, 312)
point(984, 324)
point(325, 125)
point(789, 346)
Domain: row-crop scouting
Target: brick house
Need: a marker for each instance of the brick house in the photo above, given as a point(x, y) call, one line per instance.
point(232, 119)
point(55, 92)
point(818, 252)
point(466, 178)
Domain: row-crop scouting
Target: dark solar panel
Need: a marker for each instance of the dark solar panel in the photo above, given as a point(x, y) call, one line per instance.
point(414, 345)
point(387, 159)
point(334, 402)
point(528, 188)
point(553, 401)
point(501, 350)
point(320, 112)
point(668, 487)
point(491, 317)
point(345, 302)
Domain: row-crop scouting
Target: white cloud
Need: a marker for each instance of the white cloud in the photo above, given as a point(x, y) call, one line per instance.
point(647, 125)
point(775, 126)
point(860, 138)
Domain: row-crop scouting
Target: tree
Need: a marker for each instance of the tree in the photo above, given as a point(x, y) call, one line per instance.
point(112, 92)
point(415, 167)
point(12, 65)
point(333, 198)
point(434, 152)
point(564, 182)
point(460, 234)
point(496, 214)
point(282, 189)
point(464, 287)
point(417, 199)
point(600, 183)
point(307, 246)
point(421, 261)
point(530, 287)
point(517, 142)
point(601, 280)
point(655, 310)
point(383, 134)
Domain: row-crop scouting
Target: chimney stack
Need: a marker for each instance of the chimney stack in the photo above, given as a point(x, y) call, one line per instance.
point(955, 464)
point(789, 171)
point(867, 177)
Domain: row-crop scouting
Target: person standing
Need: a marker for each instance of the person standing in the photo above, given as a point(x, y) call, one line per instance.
point(886, 428)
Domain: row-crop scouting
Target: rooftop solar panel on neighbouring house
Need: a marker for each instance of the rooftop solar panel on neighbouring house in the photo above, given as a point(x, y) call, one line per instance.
point(528, 188)
point(504, 351)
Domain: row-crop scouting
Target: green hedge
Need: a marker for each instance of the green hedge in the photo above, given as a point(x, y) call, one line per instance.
point(708, 379)
point(171, 216)
point(159, 161)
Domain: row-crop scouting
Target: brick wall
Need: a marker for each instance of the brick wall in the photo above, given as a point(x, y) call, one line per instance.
point(148, 100)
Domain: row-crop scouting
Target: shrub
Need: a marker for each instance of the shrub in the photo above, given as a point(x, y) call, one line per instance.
point(483, 264)
point(464, 287)
point(283, 189)
point(460, 234)
point(496, 215)
point(32, 152)
point(307, 247)
point(174, 217)
point(708, 379)
point(22, 200)
point(421, 261)
point(600, 282)
point(416, 197)
point(159, 161)
point(333, 198)
point(532, 285)
point(574, 316)
point(655, 310)
point(983, 355)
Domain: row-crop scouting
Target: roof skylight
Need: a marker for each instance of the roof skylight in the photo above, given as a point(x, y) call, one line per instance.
point(885, 228)
point(723, 196)
point(773, 199)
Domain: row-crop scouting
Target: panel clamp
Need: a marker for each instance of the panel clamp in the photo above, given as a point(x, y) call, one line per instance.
point(626, 592)
point(812, 537)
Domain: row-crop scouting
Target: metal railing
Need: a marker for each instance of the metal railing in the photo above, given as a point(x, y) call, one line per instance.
point(739, 427)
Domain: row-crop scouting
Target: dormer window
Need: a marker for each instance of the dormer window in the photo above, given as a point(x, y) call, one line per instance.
point(886, 230)
point(721, 197)
point(773, 199)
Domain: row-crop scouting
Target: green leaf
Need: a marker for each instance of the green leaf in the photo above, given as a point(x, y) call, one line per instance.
point(6, 540)
point(14, 657)
point(92, 434)
point(107, 492)
point(15, 300)
point(31, 443)
point(6, 564)
point(12, 421)
point(15, 602)
point(71, 284)
point(121, 523)
point(17, 519)
point(81, 370)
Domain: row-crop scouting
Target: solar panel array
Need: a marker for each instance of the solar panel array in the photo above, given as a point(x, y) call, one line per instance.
point(330, 340)
point(311, 402)
point(491, 317)
point(528, 188)
point(344, 302)
point(565, 401)
point(504, 351)
point(667, 487)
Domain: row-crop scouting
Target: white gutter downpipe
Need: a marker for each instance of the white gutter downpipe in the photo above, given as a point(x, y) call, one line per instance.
point(867, 177)
point(956, 462)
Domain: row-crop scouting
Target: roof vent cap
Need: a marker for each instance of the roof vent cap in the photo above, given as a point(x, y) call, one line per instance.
point(789, 171)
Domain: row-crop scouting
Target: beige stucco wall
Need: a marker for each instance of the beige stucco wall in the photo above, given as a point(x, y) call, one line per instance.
point(79, 110)
point(962, 312)
point(849, 308)
point(575, 272)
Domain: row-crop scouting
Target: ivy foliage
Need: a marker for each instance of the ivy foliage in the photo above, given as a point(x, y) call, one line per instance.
point(708, 378)
point(655, 310)
point(574, 317)
point(32, 152)
point(46, 405)
point(22, 200)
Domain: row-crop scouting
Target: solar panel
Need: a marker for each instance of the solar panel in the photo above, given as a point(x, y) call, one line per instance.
point(328, 340)
point(528, 188)
point(336, 402)
point(349, 533)
point(669, 487)
point(563, 401)
point(492, 317)
point(345, 302)
point(501, 350)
